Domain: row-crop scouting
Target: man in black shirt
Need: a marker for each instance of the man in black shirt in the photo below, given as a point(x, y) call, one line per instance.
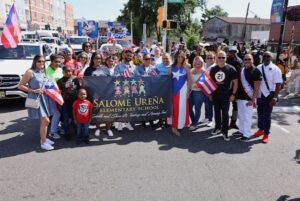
point(249, 84)
point(224, 75)
point(237, 63)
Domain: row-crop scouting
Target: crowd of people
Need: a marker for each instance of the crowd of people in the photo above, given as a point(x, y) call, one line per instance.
point(239, 82)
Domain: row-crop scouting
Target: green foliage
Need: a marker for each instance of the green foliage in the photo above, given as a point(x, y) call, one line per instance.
point(214, 11)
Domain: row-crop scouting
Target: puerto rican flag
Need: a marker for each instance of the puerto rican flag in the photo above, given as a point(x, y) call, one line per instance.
point(52, 90)
point(206, 84)
point(11, 34)
point(180, 113)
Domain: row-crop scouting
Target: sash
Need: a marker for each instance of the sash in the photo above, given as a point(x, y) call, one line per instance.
point(246, 86)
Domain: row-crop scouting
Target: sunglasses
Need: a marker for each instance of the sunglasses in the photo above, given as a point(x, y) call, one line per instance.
point(98, 58)
point(209, 58)
point(221, 57)
point(41, 61)
point(147, 59)
point(247, 59)
point(87, 46)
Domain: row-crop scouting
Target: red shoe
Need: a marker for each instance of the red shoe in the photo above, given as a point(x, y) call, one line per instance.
point(258, 133)
point(265, 139)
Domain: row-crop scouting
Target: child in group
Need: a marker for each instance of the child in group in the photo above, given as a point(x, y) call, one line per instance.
point(69, 85)
point(82, 113)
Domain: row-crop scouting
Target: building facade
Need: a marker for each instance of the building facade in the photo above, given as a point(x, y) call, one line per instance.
point(40, 14)
point(218, 29)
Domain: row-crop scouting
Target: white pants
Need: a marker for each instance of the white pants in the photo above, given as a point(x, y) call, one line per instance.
point(245, 117)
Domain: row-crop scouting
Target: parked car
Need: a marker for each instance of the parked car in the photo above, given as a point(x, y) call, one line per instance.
point(107, 47)
point(53, 43)
point(13, 64)
point(76, 42)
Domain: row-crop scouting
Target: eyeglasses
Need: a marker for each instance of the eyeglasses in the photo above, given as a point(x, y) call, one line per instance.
point(221, 57)
point(87, 46)
point(209, 58)
point(147, 59)
point(41, 61)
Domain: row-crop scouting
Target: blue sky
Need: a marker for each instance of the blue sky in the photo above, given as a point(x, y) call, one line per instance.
point(110, 9)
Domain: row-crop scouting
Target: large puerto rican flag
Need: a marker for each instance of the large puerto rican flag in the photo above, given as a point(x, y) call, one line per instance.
point(11, 34)
point(206, 84)
point(180, 113)
point(52, 90)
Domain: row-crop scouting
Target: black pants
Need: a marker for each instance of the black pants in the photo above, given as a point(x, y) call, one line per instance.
point(234, 112)
point(221, 107)
point(264, 111)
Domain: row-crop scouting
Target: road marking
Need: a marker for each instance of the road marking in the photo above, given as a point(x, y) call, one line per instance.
point(281, 128)
point(285, 109)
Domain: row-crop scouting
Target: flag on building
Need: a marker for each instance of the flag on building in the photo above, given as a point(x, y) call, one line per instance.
point(52, 90)
point(180, 112)
point(206, 84)
point(11, 34)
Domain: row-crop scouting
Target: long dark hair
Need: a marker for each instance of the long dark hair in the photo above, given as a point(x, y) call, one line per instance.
point(176, 57)
point(35, 60)
point(93, 57)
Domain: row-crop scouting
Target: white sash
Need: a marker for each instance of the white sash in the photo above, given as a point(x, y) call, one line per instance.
point(246, 86)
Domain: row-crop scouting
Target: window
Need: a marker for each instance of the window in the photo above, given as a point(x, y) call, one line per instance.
point(27, 15)
point(43, 18)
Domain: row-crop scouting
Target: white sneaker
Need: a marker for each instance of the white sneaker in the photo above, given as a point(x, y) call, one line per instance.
point(209, 124)
point(47, 146)
point(110, 133)
point(119, 126)
point(191, 128)
point(54, 136)
point(97, 132)
point(129, 127)
point(49, 141)
point(204, 121)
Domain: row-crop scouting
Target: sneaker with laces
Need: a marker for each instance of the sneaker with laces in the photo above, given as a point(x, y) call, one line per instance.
point(258, 133)
point(129, 127)
point(97, 132)
point(49, 141)
point(216, 131)
point(54, 136)
point(47, 146)
point(209, 124)
point(226, 137)
point(204, 121)
point(119, 126)
point(238, 134)
point(110, 133)
point(192, 127)
point(265, 139)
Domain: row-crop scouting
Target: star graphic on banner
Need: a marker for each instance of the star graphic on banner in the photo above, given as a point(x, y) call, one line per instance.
point(126, 82)
point(133, 82)
point(117, 82)
point(177, 75)
point(141, 82)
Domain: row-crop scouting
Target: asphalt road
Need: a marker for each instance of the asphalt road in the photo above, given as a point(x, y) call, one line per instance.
point(147, 165)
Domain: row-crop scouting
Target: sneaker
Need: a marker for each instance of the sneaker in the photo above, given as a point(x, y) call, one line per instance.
point(216, 131)
point(226, 137)
point(110, 133)
point(97, 133)
point(54, 136)
point(47, 146)
point(119, 126)
point(191, 128)
point(238, 134)
point(258, 133)
point(129, 127)
point(244, 139)
point(87, 141)
point(204, 121)
point(265, 139)
point(49, 141)
point(233, 126)
point(209, 124)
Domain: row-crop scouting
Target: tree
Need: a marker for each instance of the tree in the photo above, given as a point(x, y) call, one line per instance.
point(214, 11)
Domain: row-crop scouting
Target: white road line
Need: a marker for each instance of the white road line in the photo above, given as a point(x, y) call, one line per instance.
point(281, 128)
point(285, 109)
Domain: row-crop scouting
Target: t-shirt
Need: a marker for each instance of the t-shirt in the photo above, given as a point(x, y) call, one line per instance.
point(236, 62)
point(82, 110)
point(54, 74)
point(68, 87)
point(251, 74)
point(223, 78)
point(89, 71)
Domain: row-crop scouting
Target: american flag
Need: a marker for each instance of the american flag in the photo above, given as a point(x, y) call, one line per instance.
point(11, 34)
point(206, 84)
point(127, 72)
point(52, 90)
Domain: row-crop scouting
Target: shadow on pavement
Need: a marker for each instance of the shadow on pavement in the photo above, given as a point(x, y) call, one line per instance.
point(286, 198)
point(11, 105)
point(297, 156)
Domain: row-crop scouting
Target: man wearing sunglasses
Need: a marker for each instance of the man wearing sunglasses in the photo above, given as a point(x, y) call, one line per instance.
point(225, 76)
point(269, 88)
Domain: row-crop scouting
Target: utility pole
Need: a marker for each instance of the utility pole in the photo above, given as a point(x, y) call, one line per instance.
point(282, 28)
point(245, 24)
point(131, 27)
point(164, 36)
point(144, 24)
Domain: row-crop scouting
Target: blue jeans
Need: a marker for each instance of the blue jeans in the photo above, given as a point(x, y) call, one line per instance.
point(55, 116)
point(82, 132)
point(67, 114)
point(197, 98)
point(208, 109)
point(264, 111)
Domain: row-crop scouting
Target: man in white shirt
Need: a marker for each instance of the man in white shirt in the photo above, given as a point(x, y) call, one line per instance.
point(157, 56)
point(269, 90)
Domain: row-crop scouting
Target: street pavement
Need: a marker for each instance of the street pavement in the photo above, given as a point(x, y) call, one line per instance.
point(147, 165)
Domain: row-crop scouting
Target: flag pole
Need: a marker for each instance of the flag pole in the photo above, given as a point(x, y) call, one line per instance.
point(282, 28)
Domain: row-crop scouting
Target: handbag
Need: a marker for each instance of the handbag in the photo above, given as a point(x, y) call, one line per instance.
point(33, 103)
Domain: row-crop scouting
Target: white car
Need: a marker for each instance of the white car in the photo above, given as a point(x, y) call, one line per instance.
point(76, 42)
point(107, 47)
point(53, 42)
point(13, 64)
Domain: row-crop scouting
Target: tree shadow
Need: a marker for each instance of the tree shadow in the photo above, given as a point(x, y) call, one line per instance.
point(286, 198)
